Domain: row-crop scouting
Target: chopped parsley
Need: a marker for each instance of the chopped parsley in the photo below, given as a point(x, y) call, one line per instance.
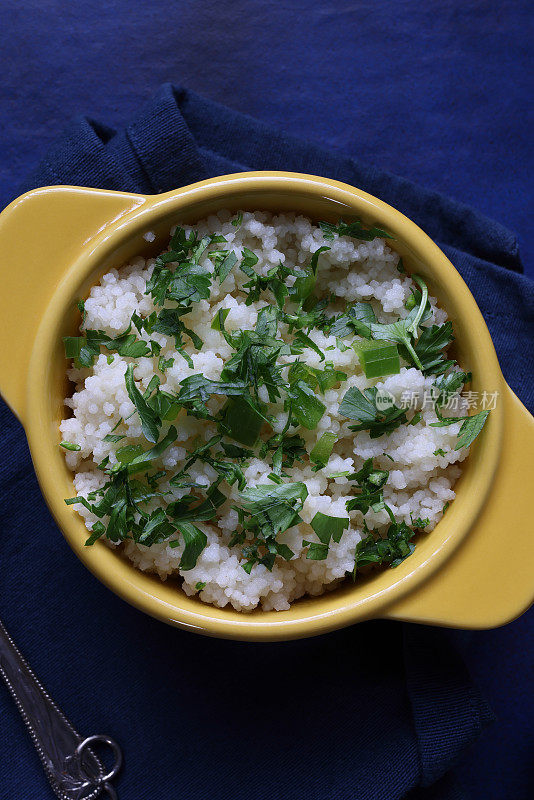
point(266, 512)
point(322, 450)
point(404, 331)
point(369, 482)
point(469, 430)
point(374, 412)
point(195, 541)
point(267, 394)
point(357, 319)
point(150, 421)
point(326, 528)
point(390, 549)
point(429, 348)
point(355, 229)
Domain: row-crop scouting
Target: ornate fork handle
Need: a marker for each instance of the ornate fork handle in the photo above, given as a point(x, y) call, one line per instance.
point(73, 770)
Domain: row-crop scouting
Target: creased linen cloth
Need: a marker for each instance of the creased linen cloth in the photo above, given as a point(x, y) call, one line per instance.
point(379, 711)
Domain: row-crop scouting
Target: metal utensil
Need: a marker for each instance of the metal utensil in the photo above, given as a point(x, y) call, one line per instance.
point(73, 770)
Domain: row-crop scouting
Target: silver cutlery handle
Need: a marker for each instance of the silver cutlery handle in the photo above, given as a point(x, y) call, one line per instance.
point(73, 770)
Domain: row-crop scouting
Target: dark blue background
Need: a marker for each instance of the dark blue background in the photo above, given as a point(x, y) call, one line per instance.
point(435, 92)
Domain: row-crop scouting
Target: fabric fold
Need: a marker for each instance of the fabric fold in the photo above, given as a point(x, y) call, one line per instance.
point(449, 712)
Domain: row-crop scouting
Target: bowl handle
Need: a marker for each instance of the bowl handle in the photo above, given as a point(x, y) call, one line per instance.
point(489, 580)
point(41, 234)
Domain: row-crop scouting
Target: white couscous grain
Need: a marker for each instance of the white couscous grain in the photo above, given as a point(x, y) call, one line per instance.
point(420, 482)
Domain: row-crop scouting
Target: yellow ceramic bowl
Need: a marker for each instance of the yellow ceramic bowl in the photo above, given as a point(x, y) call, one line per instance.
point(474, 570)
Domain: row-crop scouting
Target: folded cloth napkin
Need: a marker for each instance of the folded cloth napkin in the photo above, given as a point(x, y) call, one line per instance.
point(382, 710)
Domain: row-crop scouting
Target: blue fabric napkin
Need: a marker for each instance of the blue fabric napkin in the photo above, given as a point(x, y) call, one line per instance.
point(376, 712)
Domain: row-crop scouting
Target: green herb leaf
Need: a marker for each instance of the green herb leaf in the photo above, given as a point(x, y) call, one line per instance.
point(127, 454)
point(141, 460)
point(404, 330)
point(219, 319)
point(354, 229)
point(327, 528)
point(198, 387)
point(301, 340)
point(169, 323)
point(275, 508)
point(392, 549)
point(149, 420)
point(195, 542)
point(305, 406)
point(370, 482)
point(183, 511)
point(164, 364)
point(224, 267)
point(430, 346)
point(356, 319)
point(243, 420)
point(267, 322)
point(317, 551)
point(448, 385)
point(97, 531)
point(470, 429)
point(322, 449)
point(372, 410)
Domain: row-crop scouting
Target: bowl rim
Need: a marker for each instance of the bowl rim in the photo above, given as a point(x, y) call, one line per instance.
point(212, 621)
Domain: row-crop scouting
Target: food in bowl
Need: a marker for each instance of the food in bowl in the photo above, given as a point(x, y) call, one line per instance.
point(262, 411)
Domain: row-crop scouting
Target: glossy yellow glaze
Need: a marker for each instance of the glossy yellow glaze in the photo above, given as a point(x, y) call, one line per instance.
point(55, 242)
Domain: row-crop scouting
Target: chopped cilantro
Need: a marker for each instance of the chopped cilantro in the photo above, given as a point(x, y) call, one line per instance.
point(470, 429)
point(165, 363)
point(447, 385)
point(224, 262)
